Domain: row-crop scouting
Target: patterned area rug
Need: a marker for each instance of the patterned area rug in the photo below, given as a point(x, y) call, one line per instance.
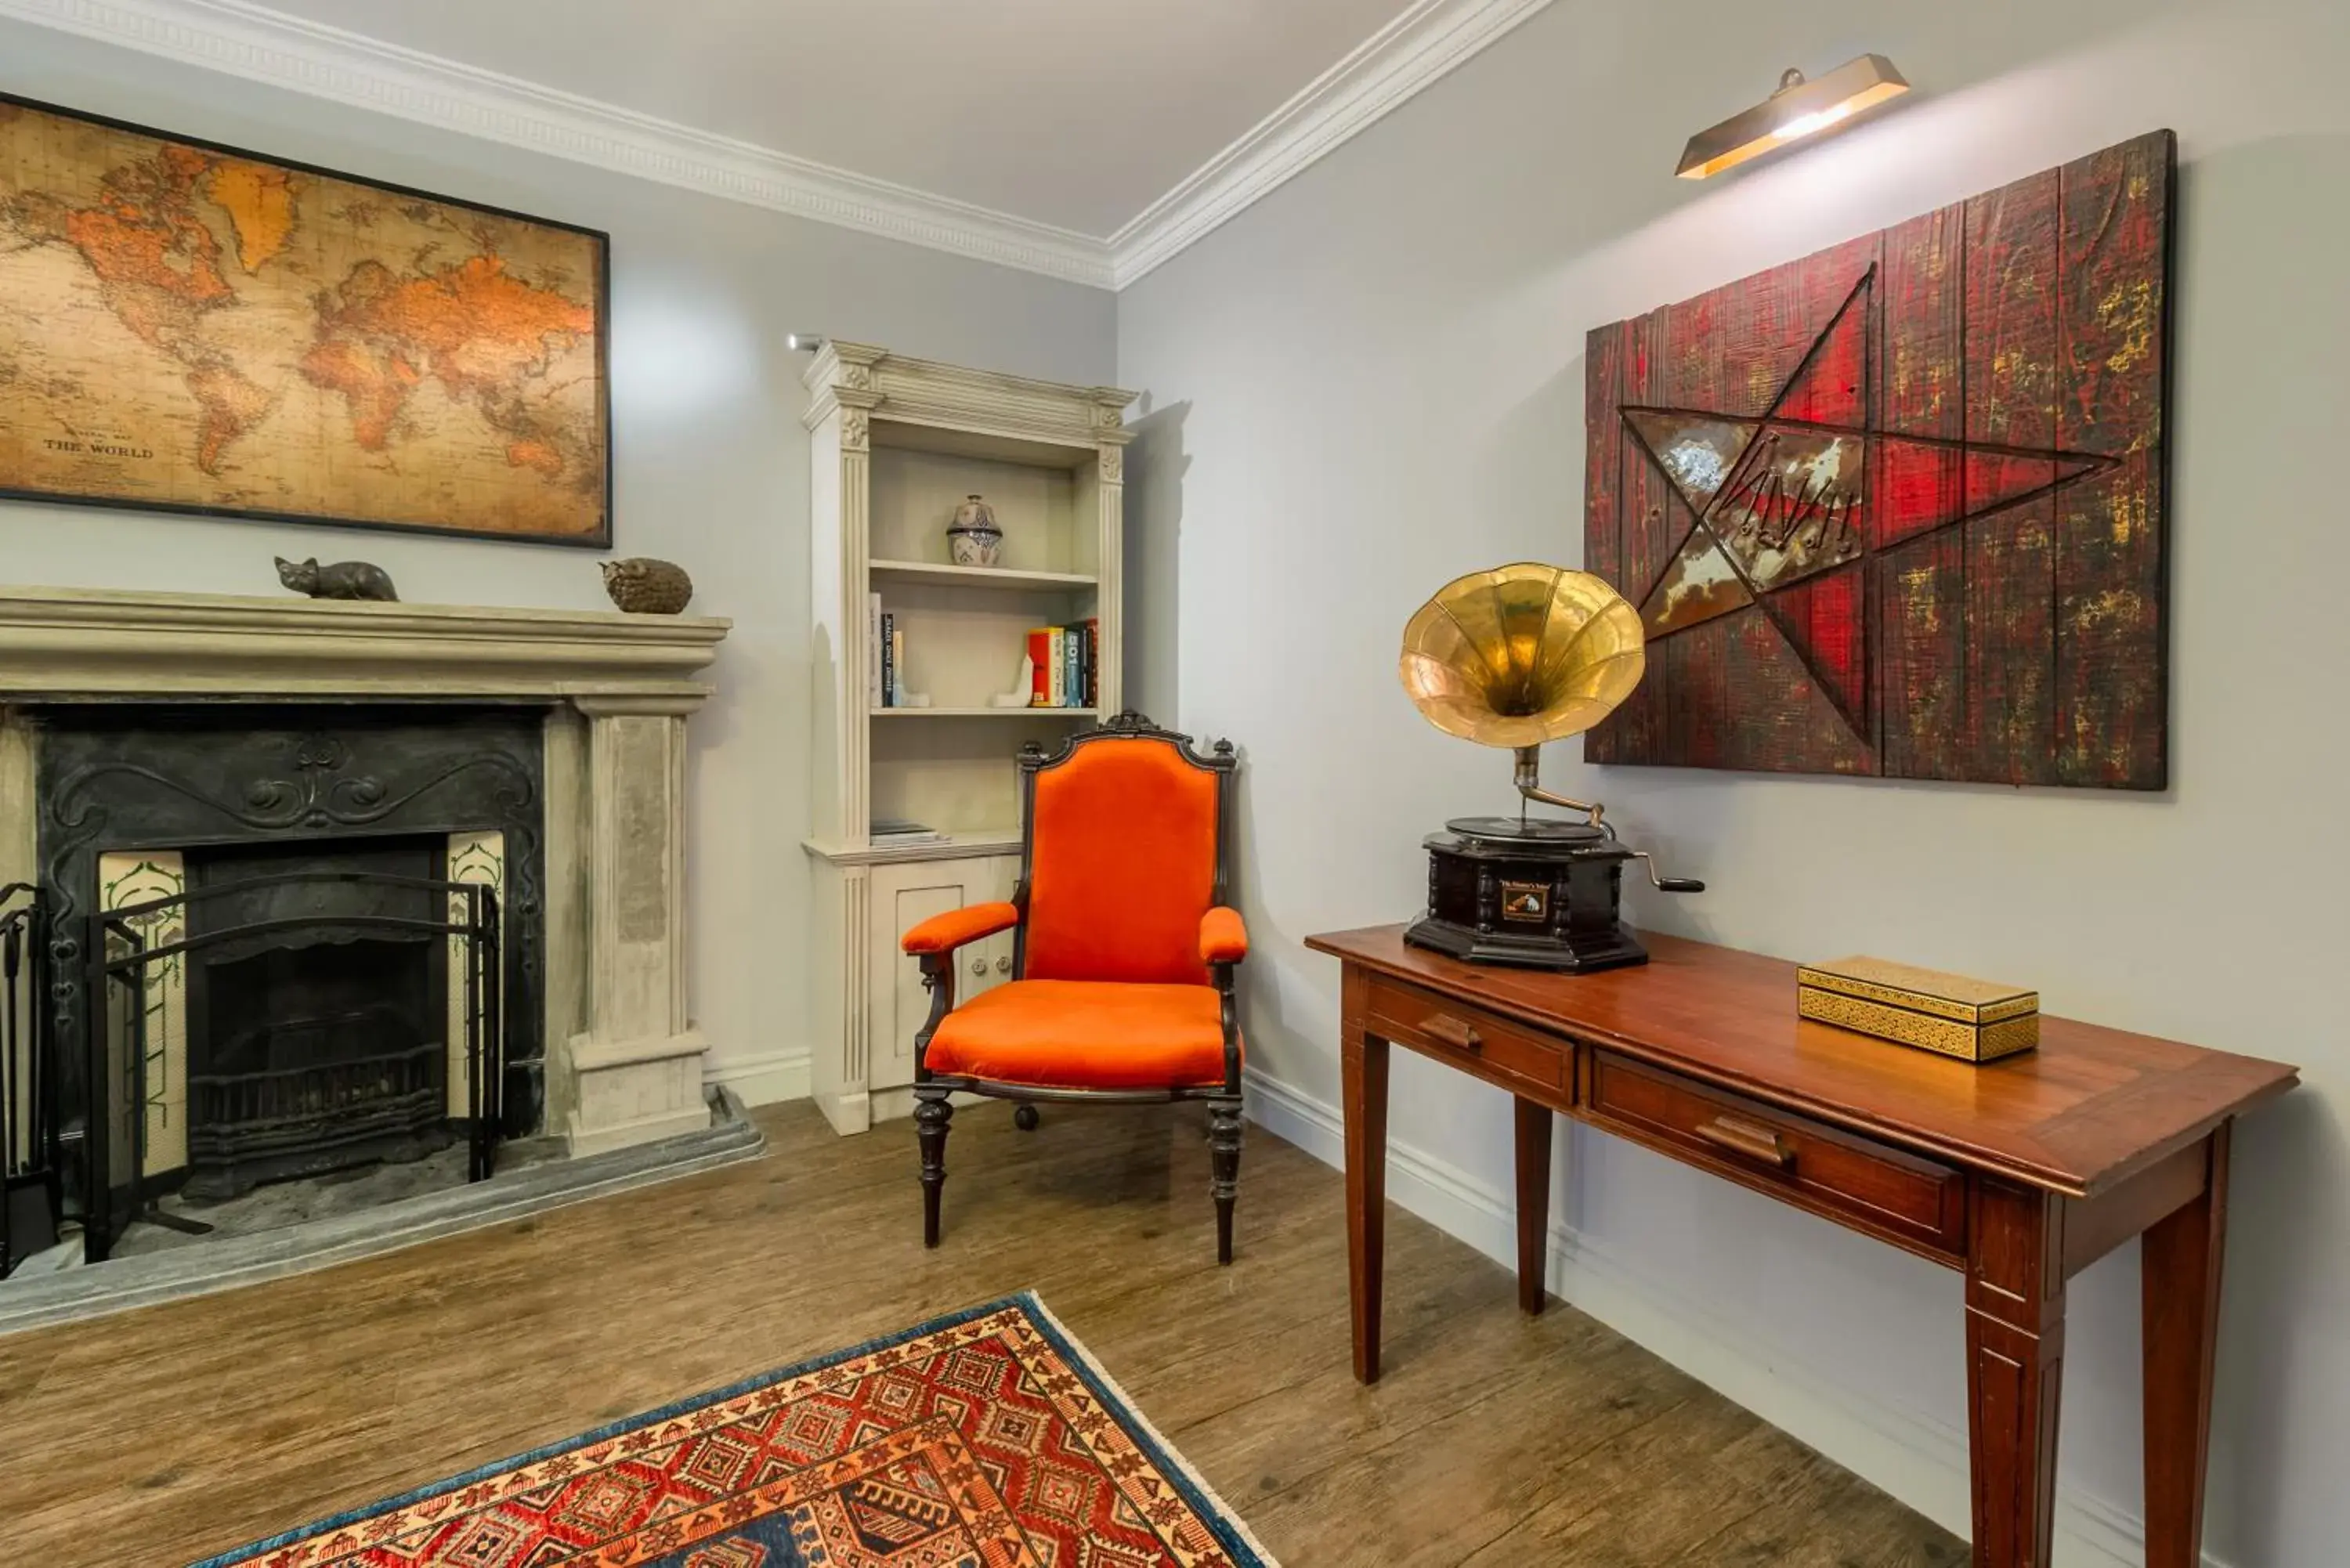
point(986, 1440)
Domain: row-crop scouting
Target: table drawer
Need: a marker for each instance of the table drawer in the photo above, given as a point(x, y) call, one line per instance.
point(1444, 1028)
point(1902, 1197)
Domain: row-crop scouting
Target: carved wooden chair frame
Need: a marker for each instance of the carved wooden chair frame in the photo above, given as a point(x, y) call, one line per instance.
point(933, 1110)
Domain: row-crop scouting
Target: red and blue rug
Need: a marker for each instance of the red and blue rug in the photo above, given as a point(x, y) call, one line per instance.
point(986, 1440)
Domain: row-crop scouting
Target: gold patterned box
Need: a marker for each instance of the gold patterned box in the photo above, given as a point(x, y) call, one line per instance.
point(1973, 1019)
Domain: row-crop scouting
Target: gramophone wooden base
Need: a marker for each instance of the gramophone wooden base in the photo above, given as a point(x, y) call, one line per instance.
point(1577, 952)
point(1529, 894)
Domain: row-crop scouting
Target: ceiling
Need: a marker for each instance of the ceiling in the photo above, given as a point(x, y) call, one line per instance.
point(1073, 113)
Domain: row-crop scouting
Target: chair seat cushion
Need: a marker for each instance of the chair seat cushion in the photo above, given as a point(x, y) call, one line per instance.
point(1084, 1034)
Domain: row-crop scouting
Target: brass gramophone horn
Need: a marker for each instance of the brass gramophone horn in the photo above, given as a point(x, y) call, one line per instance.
point(1521, 655)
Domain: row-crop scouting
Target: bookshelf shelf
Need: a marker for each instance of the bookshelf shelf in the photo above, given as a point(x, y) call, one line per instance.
point(1001, 579)
point(986, 712)
point(990, 843)
point(896, 446)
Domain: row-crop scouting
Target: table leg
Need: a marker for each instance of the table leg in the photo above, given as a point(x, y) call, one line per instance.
point(2179, 1274)
point(2015, 1370)
point(1534, 1202)
point(1362, 1068)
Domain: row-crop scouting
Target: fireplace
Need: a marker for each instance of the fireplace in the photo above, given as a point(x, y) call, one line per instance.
point(317, 1012)
point(157, 746)
point(318, 1045)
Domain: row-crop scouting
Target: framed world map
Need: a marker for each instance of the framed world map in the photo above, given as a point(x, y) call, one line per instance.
point(191, 329)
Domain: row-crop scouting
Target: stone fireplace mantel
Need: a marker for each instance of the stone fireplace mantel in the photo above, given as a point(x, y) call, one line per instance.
point(624, 1063)
point(58, 643)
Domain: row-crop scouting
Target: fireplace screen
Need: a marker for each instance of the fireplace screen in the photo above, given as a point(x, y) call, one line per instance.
point(30, 1194)
point(344, 1011)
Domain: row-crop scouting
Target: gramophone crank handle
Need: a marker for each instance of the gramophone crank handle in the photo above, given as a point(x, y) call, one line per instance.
point(1666, 884)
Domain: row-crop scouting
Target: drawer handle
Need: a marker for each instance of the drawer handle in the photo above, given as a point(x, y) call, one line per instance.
point(1451, 1031)
point(1741, 1137)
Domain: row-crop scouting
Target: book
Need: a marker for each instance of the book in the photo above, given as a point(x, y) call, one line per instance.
point(896, 656)
point(888, 663)
point(1073, 669)
point(1056, 653)
point(873, 687)
point(1040, 651)
point(1093, 661)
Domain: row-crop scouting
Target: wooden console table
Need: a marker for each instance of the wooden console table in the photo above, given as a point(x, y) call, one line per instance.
point(2019, 1174)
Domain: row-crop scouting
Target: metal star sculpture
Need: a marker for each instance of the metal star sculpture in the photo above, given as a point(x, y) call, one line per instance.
point(1791, 505)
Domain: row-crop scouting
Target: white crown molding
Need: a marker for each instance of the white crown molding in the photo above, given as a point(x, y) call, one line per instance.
point(251, 41)
point(1401, 60)
point(264, 45)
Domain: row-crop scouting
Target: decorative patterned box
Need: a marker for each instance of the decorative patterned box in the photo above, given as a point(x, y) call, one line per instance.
point(1973, 1019)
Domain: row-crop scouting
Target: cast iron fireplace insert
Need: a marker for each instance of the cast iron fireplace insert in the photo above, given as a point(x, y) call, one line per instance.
point(225, 789)
point(320, 1045)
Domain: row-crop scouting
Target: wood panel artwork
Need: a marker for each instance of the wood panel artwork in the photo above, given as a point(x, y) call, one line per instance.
point(1899, 508)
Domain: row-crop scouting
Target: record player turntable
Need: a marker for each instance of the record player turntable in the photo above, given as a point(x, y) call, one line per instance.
point(1516, 657)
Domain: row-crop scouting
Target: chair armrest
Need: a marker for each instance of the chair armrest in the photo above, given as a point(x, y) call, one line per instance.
point(1224, 939)
point(945, 933)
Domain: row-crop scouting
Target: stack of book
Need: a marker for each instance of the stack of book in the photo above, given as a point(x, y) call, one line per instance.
point(1067, 660)
point(890, 832)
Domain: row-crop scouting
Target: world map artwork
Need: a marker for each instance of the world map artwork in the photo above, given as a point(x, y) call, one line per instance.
point(190, 328)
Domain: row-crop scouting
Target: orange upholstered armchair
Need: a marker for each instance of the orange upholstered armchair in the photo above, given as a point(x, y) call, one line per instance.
point(1122, 961)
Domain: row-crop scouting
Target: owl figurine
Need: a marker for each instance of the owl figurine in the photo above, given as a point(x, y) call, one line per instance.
point(642, 585)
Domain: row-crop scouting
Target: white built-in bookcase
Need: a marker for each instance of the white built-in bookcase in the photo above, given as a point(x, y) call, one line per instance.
point(897, 444)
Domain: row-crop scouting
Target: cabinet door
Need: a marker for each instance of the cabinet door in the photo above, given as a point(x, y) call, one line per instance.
point(903, 897)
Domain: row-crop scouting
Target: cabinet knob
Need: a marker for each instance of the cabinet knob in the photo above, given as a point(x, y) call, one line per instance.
point(1004, 964)
point(979, 966)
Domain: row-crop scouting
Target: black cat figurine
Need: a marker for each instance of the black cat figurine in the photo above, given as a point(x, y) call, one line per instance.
point(341, 580)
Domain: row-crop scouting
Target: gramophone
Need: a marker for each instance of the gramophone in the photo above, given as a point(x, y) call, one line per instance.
point(1516, 657)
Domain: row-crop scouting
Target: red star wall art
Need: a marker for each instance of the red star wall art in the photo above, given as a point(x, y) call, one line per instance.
point(1896, 508)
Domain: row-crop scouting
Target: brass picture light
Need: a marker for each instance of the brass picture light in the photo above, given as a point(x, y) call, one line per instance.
point(1800, 108)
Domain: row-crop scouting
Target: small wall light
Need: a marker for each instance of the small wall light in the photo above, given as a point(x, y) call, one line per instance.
point(806, 342)
point(1799, 109)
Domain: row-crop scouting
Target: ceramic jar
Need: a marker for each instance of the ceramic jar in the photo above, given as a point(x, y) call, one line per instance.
point(973, 537)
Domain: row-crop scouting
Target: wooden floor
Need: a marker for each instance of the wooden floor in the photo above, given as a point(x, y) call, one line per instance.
point(163, 1435)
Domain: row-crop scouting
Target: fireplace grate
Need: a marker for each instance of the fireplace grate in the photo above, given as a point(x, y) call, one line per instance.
point(296, 1120)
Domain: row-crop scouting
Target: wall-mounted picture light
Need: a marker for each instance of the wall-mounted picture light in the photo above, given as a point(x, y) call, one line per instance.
point(1799, 109)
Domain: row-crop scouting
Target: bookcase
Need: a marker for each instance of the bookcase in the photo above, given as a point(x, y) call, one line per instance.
point(897, 444)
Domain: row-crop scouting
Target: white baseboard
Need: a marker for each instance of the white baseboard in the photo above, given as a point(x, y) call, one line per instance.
point(762, 1079)
point(1917, 1457)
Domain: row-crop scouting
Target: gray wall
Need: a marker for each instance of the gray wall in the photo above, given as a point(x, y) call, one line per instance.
point(712, 464)
point(1378, 374)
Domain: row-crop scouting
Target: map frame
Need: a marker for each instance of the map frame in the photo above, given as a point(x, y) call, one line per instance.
point(600, 240)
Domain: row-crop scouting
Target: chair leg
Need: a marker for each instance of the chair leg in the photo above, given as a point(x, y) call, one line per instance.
point(1224, 1160)
point(933, 1111)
